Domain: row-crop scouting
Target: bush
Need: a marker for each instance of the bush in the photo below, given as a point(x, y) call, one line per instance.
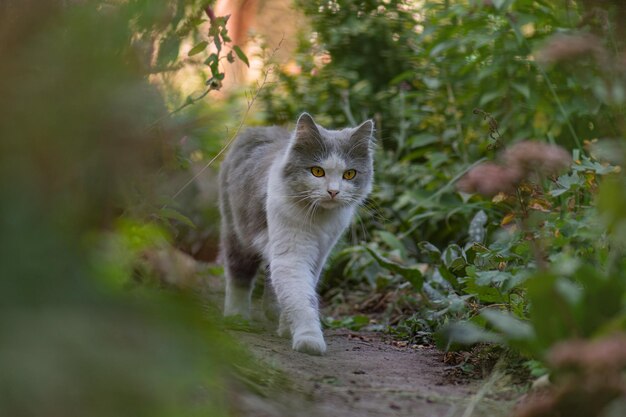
point(539, 260)
point(84, 136)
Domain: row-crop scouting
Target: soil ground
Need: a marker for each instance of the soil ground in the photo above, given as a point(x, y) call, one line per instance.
point(362, 374)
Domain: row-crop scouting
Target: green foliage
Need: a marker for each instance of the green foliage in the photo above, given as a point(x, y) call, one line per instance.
point(84, 139)
point(454, 58)
point(351, 322)
point(411, 274)
point(449, 84)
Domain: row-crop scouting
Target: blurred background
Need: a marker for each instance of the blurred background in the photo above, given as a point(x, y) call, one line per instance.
point(113, 116)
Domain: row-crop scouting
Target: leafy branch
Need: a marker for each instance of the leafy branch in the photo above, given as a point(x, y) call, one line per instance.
point(251, 100)
point(218, 33)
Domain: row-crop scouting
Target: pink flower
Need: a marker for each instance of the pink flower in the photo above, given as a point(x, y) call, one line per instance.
point(515, 164)
point(489, 179)
point(537, 156)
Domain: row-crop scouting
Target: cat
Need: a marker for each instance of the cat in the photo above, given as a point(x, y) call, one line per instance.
point(285, 199)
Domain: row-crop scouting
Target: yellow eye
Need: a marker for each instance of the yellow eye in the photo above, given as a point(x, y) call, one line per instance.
point(317, 172)
point(349, 174)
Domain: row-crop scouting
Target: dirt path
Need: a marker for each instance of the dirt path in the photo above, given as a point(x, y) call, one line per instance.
point(362, 375)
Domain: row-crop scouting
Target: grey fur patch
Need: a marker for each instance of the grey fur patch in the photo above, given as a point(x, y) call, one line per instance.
point(243, 180)
point(270, 303)
point(314, 301)
point(241, 264)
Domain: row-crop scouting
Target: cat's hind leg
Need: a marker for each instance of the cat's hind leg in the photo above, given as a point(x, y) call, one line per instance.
point(240, 267)
point(270, 303)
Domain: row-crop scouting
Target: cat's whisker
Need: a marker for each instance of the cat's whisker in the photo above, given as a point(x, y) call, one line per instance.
point(369, 210)
point(301, 199)
point(311, 214)
point(303, 210)
point(363, 229)
point(308, 217)
point(296, 198)
point(373, 210)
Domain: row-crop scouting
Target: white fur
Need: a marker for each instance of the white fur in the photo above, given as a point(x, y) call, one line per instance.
point(297, 254)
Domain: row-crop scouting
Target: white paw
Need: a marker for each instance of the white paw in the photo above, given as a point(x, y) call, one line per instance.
point(309, 344)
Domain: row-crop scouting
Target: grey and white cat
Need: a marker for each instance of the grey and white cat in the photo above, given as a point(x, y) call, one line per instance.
point(286, 198)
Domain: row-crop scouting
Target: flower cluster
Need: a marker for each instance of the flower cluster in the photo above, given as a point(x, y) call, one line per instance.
point(588, 376)
point(514, 165)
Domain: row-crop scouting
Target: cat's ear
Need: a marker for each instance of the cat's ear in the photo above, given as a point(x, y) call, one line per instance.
point(363, 135)
point(364, 132)
point(307, 135)
point(306, 125)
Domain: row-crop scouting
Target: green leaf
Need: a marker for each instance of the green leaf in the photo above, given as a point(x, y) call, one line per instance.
point(438, 49)
point(464, 333)
point(351, 322)
point(241, 55)
point(601, 300)
point(168, 50)
point(522, 89)
point(567, 182)
point(172, 214)
point(483, 294)
point(457, 266)
point(552, 317)
point(558, 192)
point(393, 242)
point(476, 229)
point(138, 236)
point(431, 251)
point(499, 3)
point(451, 254)
point(218, 43)
point(495, 278)
point(411, 274)
point(212, 59)
point(449, 276)
point(510, 326)
point(201, 46)
point(422, 139)
point(489, 97)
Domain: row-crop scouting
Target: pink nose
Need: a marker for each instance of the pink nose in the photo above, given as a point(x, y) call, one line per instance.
point(333, 193)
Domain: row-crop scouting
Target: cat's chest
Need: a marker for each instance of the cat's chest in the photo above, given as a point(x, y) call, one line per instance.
point(335, 223)
point(321, 227)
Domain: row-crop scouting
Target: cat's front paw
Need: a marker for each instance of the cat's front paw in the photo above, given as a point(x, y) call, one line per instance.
point(309, 344)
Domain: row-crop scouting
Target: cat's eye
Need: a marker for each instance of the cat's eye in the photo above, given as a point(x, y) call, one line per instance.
point(317, 172)
point(349, 174)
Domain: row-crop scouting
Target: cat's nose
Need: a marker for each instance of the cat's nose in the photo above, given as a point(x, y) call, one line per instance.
point(333, 193)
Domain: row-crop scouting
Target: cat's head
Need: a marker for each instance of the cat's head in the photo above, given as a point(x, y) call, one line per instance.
point(331, 168)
